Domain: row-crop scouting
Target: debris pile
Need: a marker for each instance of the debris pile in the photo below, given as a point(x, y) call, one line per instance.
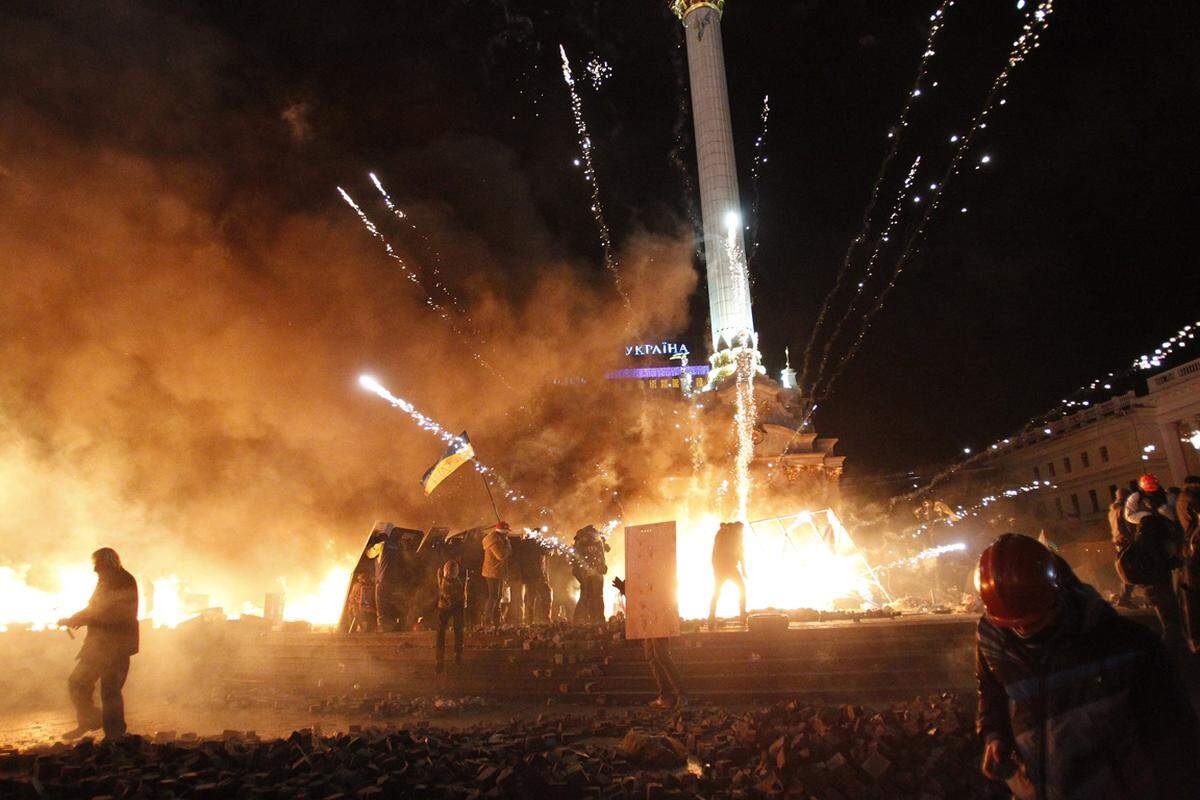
point(920, 749)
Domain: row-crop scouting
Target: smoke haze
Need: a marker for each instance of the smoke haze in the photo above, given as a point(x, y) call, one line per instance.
point(183, 320)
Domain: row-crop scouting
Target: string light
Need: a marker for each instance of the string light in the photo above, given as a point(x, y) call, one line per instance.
point(431, 425)
point(936, 22)
point(589, 174)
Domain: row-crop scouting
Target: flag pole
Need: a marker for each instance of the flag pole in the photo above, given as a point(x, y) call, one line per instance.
point(483, 477)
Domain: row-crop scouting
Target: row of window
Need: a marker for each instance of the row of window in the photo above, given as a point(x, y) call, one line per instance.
point(1093, 499)
point(670, 383)
point(1085, 461)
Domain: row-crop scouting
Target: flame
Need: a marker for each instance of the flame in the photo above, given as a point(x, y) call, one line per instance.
point(40, 608)
point(324, 606)
point(166, 600)
point(789, 565)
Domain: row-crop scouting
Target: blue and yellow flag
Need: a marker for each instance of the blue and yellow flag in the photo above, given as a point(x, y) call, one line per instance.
point(458, 453)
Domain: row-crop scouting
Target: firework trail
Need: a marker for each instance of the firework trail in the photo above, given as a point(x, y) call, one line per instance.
point(744, 419)
point(893, 221)
point(924, 555)
point(936, 21)
point(760, 158)
point(1036, 22)
point(431, 426)
point(680, 138)
point(1142, 363)
point(437, 257)
point(745, 410)
point(589, 174)
point(412, 276)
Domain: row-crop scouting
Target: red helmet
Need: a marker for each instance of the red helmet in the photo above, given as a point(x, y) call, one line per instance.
point(502, 526)
point(1148, 482)
point(1018, 581)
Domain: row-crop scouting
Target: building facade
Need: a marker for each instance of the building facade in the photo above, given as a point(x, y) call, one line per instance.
point(1086, 456)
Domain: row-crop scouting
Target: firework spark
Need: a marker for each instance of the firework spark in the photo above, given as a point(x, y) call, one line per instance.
point(430, 425)
point(589, 174)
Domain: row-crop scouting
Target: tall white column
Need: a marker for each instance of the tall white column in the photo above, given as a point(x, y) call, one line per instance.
point(728, 284)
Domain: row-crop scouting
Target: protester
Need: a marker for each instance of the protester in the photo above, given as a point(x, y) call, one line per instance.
point(1075, 701)
point(1187, 511)
point(1122, 536)
point(497, 551)
point(729, 565)
point(1149, 498)
point(451, 610)
point(662, 667)
point(531, 586)
point(112, 637)
point(562, 582)
point(362, 615)
point(391, 570)
point(1146, 509)
point(590, 569)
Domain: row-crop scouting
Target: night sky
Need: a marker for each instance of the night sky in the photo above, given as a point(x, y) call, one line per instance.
point(1073, 258)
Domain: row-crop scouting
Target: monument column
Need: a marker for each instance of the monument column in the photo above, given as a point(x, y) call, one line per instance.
point(728, 283)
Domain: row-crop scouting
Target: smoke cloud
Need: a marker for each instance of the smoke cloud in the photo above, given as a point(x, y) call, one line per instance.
point(181, 338)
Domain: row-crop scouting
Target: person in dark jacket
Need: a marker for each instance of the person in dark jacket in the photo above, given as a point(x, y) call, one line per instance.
point(1147, 511)
point(497, 553)
point(1122, 536)
point(451, 610)
point(1187, 511)
point(729, 566)
point(391, 569)
point(112, 637)
point(529, 581)
point(590, 569)
point(1075, 701)
point(662, 667)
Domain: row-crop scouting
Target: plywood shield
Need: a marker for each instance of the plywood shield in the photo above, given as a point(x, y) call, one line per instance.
point(652, 605)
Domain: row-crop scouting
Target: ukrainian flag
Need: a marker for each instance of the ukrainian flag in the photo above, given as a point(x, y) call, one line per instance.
point(458, 453)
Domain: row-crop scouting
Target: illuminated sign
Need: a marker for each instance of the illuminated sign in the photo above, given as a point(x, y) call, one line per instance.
point(661, 349)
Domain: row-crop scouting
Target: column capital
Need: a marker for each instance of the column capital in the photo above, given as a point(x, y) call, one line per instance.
point(684, 7)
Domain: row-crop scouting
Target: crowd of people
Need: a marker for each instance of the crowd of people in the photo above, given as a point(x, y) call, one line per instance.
point(481, 579)
point(1156, 535)
point(1075, 700)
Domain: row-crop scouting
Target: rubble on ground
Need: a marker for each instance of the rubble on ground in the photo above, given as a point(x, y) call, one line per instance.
point(923, 749)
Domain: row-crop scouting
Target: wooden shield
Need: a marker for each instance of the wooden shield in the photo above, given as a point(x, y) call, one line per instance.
point(652, 606)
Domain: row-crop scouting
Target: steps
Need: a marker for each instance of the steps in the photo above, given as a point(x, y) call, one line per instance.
point(875, 660)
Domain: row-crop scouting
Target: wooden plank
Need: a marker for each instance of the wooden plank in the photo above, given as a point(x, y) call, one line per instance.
point(652, 605)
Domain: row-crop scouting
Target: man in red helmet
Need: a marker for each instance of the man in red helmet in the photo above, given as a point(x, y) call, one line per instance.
point(1151, 515)
point(1084, 702)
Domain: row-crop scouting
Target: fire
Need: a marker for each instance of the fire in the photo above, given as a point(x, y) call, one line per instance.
point(806, 560)
point(166, 601)
point(24, 604)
